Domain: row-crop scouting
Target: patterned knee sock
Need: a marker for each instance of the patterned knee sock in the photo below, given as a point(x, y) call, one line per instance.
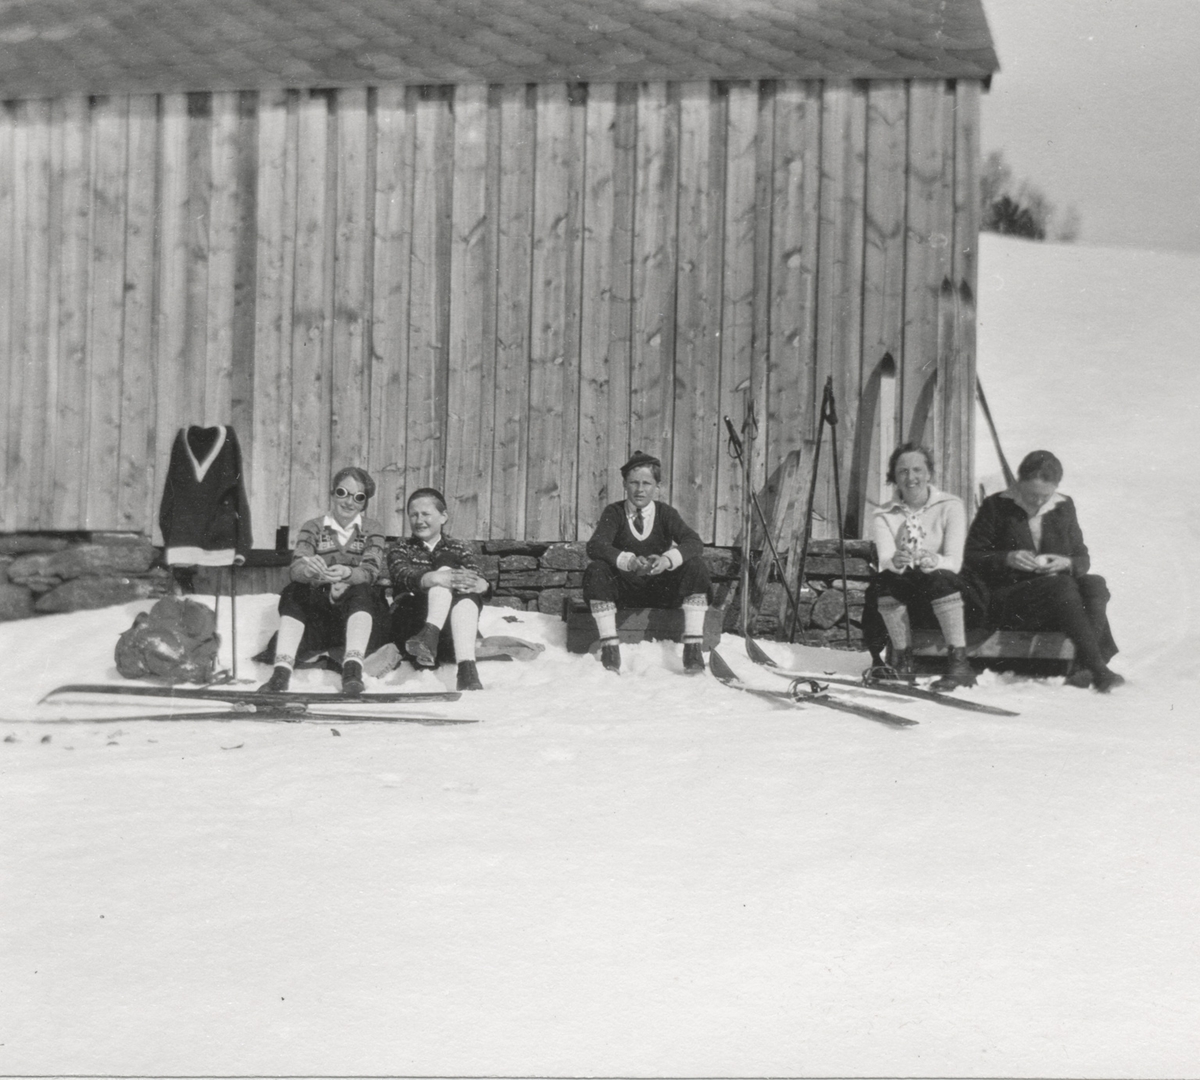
point(605, 614)
point(895, 618)
point(695, 607)
point(949, 612)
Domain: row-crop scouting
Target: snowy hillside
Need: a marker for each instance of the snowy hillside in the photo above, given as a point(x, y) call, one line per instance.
point(652, 875)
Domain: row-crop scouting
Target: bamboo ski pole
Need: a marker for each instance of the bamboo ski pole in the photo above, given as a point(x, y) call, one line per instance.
point(1009, 476)
point(837, 495)
point(808, 512)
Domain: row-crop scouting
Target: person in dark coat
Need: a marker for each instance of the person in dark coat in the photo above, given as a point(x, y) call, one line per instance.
point(439, 591)
point(1025, 546)
point(644, 555)
point(332, 598)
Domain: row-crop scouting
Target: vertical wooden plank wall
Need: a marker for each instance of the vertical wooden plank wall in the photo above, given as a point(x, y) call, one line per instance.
point(269, 450)
point(792, 272)
point(840, 291)
point(698, 304)
point(429, 287)
point(33, 390)
point(310, 316)
point(471, 360)
point(501, 291)
point(883, 277)
point(389, 326)
point(605, 299)
point(652, 363)
point(513, 267)
point(138, 432)
point(69, 419)
point(11, 512)
point(738, 322)
point(554, 313)
point(350, 389)
point(110, 132)
point(958, 389)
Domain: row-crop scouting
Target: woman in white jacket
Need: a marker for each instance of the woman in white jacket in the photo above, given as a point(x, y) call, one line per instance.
point(919, 540)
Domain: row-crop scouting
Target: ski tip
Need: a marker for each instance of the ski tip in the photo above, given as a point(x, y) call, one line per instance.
point(718, 666)
point(756, 653)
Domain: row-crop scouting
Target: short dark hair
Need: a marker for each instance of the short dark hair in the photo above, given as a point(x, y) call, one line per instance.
point(642, 460)
point(361, 475)
point(1040, 465)
point(428, 493)
point(908, 448)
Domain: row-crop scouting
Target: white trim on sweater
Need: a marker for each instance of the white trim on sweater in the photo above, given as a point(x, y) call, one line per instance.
point(944, 520)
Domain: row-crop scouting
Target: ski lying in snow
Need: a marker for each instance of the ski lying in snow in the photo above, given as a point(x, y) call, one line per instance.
point(284, 699)
point(755, 652)
point(802, 692)
point(268, 712)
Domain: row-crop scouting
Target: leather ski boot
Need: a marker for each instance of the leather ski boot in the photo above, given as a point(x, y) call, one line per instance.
point(610, 656)
point(958, 670)
point(468, 676)
point(352, 678)
point(278, 683)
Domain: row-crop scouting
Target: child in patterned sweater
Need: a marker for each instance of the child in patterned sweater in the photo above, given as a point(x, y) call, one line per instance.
point(438, 591)
point(333, 598)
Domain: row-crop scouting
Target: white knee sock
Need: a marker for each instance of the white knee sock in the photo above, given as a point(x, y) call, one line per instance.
point(895, 618)
point(695, 607)
point(287, 641)
point(464, 623)
point(949, 612)
point(438, 605)
point(605, 614)
point(358, 634)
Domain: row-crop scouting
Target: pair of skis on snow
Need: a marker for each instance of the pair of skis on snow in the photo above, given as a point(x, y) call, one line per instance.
point(834, 692)
point(286, 707)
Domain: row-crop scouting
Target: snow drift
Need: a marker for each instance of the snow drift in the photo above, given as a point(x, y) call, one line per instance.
point(652, 875)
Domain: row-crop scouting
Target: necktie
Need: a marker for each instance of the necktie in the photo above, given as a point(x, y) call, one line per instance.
point(639, 522)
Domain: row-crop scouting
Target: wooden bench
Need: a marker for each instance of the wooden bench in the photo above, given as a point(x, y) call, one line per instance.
point(997, 648)
point(636, 624)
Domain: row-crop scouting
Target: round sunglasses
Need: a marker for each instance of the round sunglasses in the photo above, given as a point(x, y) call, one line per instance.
point(359, 497)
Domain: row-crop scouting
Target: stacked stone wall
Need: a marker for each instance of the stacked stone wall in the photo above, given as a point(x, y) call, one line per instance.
point(42, 573)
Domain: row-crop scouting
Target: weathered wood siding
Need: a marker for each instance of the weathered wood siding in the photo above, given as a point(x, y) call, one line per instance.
point(498, 290)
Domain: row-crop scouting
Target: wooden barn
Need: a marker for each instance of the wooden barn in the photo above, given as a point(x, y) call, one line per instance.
point(490, 245)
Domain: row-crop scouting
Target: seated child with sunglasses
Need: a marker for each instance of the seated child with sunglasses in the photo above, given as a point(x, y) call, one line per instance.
point(332, 598)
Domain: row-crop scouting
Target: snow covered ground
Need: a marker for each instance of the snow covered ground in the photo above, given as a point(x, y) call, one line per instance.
point(653, 875)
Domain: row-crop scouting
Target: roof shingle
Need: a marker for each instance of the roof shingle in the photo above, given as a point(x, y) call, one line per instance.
point(145, 46)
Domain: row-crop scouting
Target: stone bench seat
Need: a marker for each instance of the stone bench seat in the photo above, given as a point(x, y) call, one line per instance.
point(636, 624)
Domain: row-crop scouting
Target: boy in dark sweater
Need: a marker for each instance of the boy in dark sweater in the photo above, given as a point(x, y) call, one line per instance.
point(644, 555)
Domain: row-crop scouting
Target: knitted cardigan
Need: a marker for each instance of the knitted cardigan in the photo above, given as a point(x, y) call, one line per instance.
point(942, 523)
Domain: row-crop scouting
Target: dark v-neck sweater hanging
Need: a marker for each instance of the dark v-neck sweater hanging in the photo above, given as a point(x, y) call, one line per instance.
point(205, 515)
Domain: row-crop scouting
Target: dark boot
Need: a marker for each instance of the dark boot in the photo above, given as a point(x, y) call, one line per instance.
point(958, 670)
point(1107, 680)
point(610, 656)
point(902, 664)
point(1080, 678)
point(693, 658)
point(278, 683)
point(468, 676)
point(423, 646)
point(352, 678)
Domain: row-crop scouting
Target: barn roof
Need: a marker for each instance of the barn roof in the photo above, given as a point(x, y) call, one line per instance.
point(54, 47)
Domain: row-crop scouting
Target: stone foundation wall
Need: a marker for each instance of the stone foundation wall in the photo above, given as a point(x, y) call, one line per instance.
point(42, 573)
point(45, 573)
